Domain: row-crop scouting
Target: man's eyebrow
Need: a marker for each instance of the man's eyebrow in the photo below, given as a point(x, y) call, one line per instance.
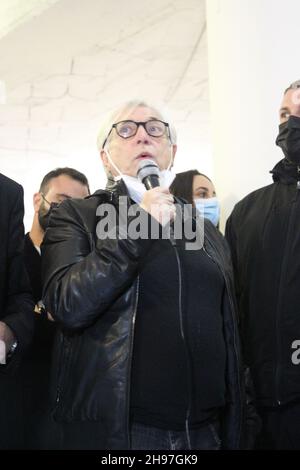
point(63, 195)
point(284, 109)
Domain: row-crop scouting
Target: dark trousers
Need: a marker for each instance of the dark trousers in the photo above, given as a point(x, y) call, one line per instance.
point(151, 438)
point(91, 435)
point(11, 415)
point(280, 427)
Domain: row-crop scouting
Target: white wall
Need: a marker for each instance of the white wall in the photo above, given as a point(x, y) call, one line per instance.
point(253, 48)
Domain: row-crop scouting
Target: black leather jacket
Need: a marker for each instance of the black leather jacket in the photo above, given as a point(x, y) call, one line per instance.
point(91, 289)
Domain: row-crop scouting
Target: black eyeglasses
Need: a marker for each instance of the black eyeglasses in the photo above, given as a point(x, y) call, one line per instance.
point(127, 129)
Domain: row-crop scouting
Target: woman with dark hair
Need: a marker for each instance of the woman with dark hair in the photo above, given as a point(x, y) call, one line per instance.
point(197, 189)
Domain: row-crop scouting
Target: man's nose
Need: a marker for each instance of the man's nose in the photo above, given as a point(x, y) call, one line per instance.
point(141, 134)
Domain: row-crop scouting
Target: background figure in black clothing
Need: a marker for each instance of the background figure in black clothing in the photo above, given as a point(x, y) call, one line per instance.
point(263, 232)
point(16, 307)
point(58, 185)
point(197, 189)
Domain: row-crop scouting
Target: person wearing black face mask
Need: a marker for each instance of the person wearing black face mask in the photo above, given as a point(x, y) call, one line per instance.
point(288, 138)
point(56, 186)
point(44, 213)
point(264, 236)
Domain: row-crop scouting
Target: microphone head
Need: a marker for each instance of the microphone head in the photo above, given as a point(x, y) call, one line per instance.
point(147, 167)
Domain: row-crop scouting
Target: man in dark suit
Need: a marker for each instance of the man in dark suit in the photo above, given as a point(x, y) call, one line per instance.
point(16, 306)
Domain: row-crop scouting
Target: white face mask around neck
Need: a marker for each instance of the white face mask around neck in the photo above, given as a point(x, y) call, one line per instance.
point(135, 187)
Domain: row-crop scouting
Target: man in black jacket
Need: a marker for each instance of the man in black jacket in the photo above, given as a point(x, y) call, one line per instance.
point(264, 236)
point(16, 307)
point(56, 186)
point(148, 355)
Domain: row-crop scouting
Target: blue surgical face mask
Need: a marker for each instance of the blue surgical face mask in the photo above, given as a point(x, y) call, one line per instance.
point(209, 209)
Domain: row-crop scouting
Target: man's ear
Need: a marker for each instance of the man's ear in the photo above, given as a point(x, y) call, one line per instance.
point(174, 150)
point(37, 201)
point(104, 159)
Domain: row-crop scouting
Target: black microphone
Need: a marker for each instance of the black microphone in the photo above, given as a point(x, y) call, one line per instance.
point(148, 173)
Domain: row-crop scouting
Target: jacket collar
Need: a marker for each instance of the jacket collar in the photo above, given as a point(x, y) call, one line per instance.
point(113, 188)
point(117, 188)
point(285, 172)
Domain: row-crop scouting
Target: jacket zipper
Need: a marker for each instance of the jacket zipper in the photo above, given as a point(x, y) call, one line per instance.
point(130, 363)
point(189, 373)
point(62, 360)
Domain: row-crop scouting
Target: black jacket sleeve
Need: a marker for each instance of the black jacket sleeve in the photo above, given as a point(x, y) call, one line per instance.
point(18, 304)
point(84, 276)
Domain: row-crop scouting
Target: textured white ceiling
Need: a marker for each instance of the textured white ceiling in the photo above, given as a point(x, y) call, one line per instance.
point(15, 12)
point(67, 66)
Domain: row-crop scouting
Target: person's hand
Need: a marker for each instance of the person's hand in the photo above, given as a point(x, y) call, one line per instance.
point(7, 336)
point(159, 202)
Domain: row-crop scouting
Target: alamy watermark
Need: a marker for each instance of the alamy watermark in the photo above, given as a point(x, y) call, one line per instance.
point(130, 221)
point(296, 353)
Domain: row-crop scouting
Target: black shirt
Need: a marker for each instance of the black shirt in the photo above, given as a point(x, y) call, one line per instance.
point(33, 266)
point(41, 348)
point(179, 353)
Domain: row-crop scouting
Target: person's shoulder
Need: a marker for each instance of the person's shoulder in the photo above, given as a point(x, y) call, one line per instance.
point(90, 202)
point(81, 211)
point(9, 185)
point(213, 232)
point(253, 198)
